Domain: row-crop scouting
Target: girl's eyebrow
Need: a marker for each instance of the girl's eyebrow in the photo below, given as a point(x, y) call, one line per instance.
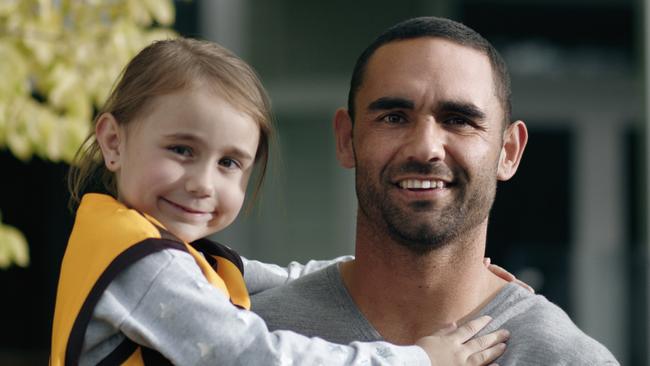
point(190, 137)
point(239, 153)
point(184, 136)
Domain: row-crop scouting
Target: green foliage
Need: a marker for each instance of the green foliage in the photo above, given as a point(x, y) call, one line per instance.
point(59, 61)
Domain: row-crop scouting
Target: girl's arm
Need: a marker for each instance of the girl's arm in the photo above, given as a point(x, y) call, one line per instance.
point(261, 276)
point(163, 302)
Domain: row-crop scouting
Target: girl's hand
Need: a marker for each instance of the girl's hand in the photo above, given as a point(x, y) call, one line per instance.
point(505, 275)
point(452, 345)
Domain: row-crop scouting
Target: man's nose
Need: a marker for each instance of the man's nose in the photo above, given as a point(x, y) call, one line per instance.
point(200, 180)
point(426, 142)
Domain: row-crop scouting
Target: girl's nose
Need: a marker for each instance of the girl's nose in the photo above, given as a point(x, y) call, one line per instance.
point(200, 181)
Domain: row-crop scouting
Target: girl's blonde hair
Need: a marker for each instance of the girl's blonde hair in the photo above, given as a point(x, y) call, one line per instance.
point(162, 68)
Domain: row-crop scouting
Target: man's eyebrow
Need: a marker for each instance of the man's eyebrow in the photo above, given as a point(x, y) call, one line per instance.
point(464, 108)
point(385, 103)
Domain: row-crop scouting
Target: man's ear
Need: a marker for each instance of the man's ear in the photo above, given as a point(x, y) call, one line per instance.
point(515, 138)
point(343, 135)
point(109, 137)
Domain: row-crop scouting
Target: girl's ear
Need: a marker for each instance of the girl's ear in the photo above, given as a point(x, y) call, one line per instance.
point(343, 135)
point(109, 137)
point(515, 138)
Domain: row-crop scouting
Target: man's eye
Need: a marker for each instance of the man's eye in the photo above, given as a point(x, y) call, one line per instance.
point(229, 163)
point(393, 118)
point(457, 121)
point(181, 150)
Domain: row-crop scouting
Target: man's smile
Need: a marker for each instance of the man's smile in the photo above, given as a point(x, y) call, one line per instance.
point(421, 184)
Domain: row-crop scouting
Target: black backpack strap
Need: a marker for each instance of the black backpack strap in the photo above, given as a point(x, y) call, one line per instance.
point(120, 354)
point(211, 249)
point(152, 357)
point(127, 348)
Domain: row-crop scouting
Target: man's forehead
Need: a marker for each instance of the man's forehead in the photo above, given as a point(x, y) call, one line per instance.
point(431, 53)
point(429, 67)
point(429, 61)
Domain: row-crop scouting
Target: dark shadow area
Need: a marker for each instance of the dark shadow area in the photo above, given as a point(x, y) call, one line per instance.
point(636, 247)
point(33, 198)
point(530, 224)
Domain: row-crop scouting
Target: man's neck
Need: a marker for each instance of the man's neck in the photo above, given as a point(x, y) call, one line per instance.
point(406, 295)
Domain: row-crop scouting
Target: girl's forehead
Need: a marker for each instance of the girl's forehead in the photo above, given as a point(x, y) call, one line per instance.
point(197, 112)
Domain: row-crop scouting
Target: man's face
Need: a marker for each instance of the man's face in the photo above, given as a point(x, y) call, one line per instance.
point(427, 141)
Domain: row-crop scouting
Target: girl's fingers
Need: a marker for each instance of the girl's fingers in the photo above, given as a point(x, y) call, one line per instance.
point(486, 356)
point(501, 272)
point(447, 329)
point(524, 285)
point(505, 275)
point(487, 341)
point(469, 329)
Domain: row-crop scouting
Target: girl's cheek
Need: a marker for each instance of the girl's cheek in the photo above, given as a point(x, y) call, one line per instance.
point(236, 201)
point(168, 171)
point(245, 179)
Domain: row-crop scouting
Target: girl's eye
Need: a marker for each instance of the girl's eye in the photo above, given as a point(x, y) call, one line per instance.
point(229, 163)
point(181, 150)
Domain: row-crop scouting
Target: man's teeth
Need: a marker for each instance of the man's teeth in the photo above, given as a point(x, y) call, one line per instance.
point(421, 184)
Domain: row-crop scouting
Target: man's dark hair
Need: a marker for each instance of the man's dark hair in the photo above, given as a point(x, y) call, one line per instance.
point(438, 28)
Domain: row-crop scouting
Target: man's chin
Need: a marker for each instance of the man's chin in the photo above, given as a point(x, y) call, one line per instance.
point(421, 248)
point(421, 241)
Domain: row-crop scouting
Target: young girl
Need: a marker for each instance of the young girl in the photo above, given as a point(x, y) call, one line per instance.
point(173, 150)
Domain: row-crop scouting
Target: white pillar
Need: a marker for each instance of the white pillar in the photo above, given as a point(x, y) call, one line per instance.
point(598, 271)
point(226, 22)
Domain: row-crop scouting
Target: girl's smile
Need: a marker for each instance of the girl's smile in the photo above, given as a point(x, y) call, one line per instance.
point(186, 215)
point(186, 209)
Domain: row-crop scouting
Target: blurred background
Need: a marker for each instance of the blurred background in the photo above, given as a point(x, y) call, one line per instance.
point(572, 223)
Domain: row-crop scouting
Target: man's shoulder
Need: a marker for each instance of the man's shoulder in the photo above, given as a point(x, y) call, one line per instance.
point(541, 330)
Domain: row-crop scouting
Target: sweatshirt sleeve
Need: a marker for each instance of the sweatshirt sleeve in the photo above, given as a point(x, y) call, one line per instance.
point(163, 302)
point(261, 276)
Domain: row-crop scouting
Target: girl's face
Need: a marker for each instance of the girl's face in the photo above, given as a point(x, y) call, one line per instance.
point(185, 161)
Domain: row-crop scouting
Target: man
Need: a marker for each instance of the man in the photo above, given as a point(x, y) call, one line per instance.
point(428, 131)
